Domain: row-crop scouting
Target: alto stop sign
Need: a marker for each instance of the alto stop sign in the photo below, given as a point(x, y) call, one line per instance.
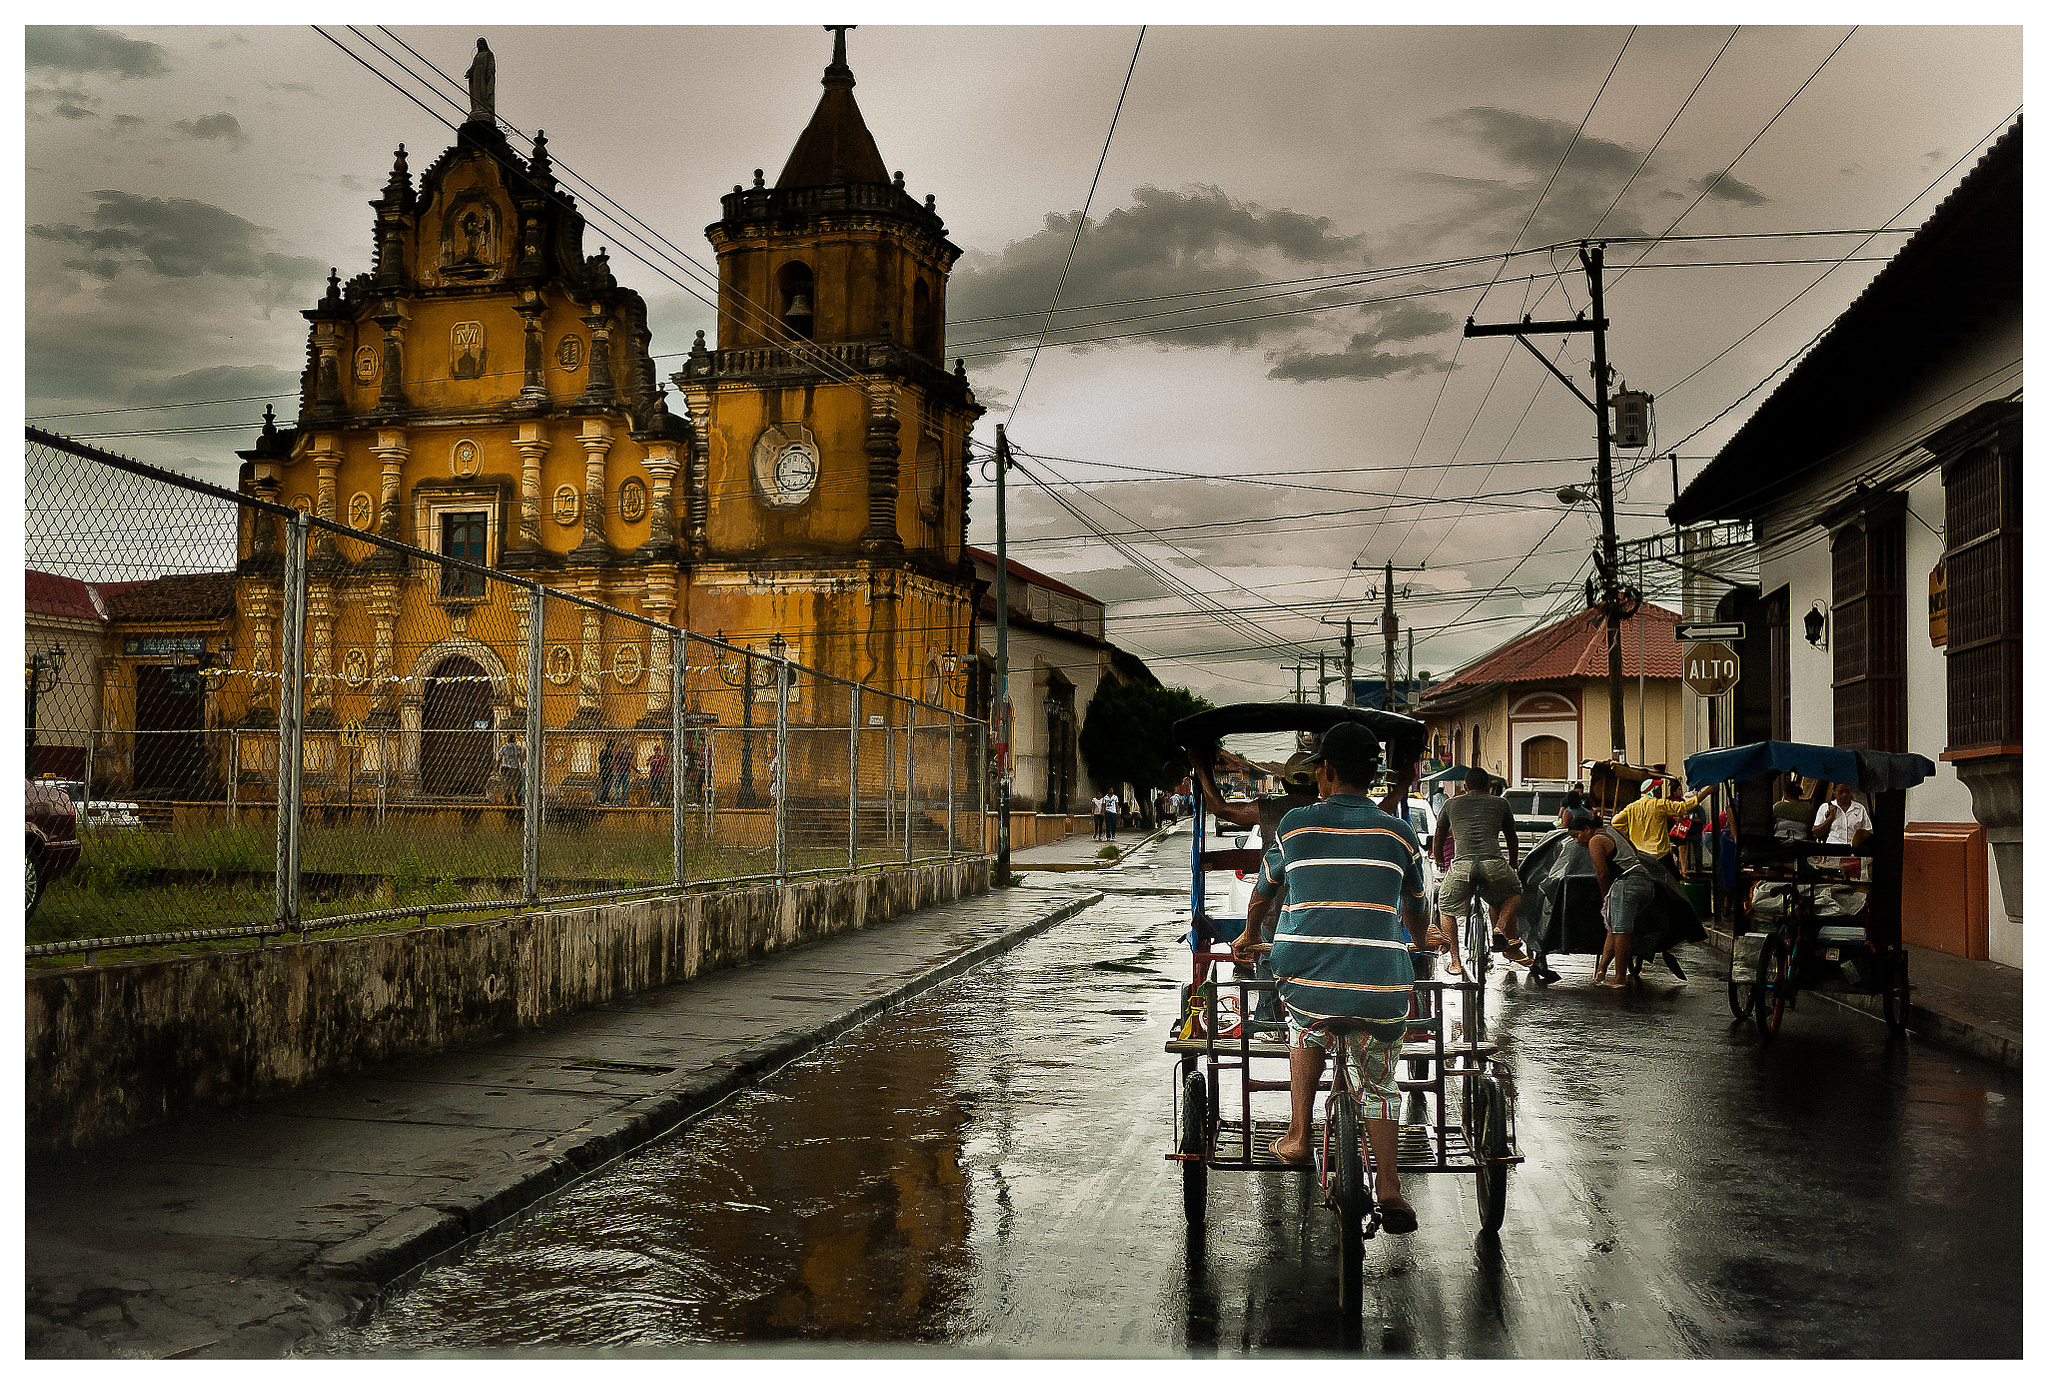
point(1711, 668)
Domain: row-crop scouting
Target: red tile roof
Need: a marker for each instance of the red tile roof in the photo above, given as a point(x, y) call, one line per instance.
point(1571, 648)
point(1032, 575)
point(48, 594)
point(185, 596)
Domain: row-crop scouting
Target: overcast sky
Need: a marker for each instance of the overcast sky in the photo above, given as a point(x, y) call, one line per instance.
point(187, 189)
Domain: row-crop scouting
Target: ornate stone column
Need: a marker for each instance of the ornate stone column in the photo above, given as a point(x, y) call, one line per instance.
point(528, 551)
point(532, 309)
point(393, 395)
point(658, 599)
point(597, 444)
point(259, 612)
point(319, 653)
point(592, 668)
point(697, 479)
point(661, 467)
point(522, 607)
point(884, 465)
point(327, 457)
point(382, 605)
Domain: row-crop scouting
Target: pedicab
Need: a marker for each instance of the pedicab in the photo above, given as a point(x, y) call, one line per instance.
point(1458, 1110)
point(1810, 921)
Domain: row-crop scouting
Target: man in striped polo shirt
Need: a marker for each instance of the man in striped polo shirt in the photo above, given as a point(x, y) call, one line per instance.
point(1350, 877)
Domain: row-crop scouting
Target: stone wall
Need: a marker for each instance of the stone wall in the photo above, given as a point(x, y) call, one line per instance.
point(116, 1047)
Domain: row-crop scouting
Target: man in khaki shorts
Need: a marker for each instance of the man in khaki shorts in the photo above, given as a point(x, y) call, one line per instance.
point(1478, 817)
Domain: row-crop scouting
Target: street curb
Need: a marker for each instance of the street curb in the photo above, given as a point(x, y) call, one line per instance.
point(1947, 1031)
point(404, 1246)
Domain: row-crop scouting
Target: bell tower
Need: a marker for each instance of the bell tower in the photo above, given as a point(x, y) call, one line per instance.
point(832, 433)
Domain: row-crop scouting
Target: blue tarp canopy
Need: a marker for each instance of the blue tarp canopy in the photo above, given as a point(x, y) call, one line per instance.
point(1873, 771)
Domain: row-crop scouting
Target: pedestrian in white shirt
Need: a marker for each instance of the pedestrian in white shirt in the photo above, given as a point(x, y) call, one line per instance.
point(1844, 821)
point(1095, 808)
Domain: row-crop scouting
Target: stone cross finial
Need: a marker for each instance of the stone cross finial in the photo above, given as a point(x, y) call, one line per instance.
point(483, 85)
point(839, 73)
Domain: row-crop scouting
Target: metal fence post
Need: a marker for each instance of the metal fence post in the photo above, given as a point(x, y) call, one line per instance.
point(909, 780)
point(679, 663)
point(383, 774)
point(234, 771)
point(290, 694)
point(853, 781)
point(534, 767)
point(952, 780)
point(779, 780)
point(981, 785)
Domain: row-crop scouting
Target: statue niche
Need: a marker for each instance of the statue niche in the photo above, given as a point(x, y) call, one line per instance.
point(470, 238)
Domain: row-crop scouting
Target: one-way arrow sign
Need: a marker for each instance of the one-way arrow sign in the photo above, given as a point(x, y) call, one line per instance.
point(1726, 630)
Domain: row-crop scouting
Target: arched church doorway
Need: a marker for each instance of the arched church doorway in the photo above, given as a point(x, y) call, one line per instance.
point(455, 735)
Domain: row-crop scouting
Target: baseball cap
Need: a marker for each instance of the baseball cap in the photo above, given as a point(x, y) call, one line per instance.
point(1350, 749)
point(1298, 770)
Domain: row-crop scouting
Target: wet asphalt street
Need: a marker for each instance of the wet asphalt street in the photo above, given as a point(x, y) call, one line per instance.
point(981, 1171)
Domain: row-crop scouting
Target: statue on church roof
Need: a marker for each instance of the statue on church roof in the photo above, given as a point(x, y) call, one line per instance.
point(483, 85)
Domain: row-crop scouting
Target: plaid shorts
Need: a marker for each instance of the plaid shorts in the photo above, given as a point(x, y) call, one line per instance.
point(1375, 1055)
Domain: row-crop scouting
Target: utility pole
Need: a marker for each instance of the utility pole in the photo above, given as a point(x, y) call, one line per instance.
point(1390, 630)
point(1002, 661)
point(1350, 682)
point(1299, 669)
point(1322, 676)
point(1592, 258)
point(1408, 702)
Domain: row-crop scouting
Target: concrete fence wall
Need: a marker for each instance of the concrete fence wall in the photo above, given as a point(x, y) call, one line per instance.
point(116, 1047)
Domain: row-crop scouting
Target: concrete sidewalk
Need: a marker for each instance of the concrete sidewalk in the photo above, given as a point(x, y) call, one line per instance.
point(239, 1233)
point(1077, 852)
point(1975, 1007)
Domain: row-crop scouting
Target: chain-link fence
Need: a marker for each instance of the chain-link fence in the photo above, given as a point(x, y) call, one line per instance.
point(279, 717)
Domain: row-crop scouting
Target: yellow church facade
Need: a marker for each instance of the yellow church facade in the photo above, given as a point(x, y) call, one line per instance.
point(486, 390)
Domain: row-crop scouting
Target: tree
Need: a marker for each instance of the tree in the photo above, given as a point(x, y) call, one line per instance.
point(1127, 735)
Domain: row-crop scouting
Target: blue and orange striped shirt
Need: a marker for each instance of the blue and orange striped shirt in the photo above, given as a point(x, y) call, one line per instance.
point(1340, 948)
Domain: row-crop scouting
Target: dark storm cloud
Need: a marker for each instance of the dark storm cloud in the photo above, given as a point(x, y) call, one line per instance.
point(1729, 188)
point(65, 103)
point(219, 125)
point(83, 48)
point(217, 382)
point(1362, 357)
point(178, 238)
point(1165, 243)
point(1535, 143)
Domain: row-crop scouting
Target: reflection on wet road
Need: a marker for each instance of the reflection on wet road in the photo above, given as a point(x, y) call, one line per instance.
point(982, 1170)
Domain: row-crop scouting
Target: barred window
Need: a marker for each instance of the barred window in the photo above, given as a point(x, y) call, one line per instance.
point(1869, 629)
point(1778, 622)
point(1982, 493)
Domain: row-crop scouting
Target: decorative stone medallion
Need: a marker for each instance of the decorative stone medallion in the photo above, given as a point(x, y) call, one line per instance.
point(466, 459)
point(355, 668)
point(633, 501)
point(568, 505)
point(569, 351)
point(366, 364)
point(561, 664)
point(626, 665)
point(361, 510)
point(466, 350)
point(303, 503)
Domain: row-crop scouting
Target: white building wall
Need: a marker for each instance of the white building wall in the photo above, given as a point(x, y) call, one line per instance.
point(1802, 561)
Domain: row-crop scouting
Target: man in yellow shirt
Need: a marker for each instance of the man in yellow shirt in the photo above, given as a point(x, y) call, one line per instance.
point(1647, 821)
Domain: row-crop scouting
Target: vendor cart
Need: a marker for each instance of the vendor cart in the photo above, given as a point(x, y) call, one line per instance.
point(1809, 920)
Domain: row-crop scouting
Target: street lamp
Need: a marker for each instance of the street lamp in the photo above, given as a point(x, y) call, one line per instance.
point(1817, 627)
point(1571, 495)
point(45, 665)
point(740, 675)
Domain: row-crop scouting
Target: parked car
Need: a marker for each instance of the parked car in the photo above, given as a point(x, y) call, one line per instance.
point(1535, 813)
point(52, 837)
point(99, 815)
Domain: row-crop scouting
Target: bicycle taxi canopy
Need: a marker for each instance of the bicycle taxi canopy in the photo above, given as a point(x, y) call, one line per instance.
point(1873, 771)
point(1402, 739)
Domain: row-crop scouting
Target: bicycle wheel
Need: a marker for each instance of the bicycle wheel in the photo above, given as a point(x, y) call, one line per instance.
point(1774, 983)
point(1898, 992)
point(1347, 1177)
point(1194, 1139)
point(1486, 1134)
point(1742, 994)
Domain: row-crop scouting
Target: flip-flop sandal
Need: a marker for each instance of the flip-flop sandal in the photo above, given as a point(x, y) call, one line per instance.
point(1451, 967)
point(1397, 1221)
point(1271, 1153)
